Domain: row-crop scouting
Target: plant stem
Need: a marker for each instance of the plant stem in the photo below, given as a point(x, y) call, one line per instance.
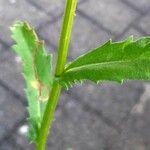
point(48, 116)
point(61, 60)
point(65, 35)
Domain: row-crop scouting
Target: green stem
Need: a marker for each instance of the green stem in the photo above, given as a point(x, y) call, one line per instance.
point(48, 116)
point(65, 35)
point(61, 60)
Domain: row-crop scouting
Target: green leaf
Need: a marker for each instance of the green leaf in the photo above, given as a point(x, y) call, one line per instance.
point(116, 61)
point(37, 71)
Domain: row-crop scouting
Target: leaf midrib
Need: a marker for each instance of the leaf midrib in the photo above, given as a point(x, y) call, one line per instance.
point(102, 63)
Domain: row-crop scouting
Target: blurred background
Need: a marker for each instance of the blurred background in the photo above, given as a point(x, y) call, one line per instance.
point(108, 116)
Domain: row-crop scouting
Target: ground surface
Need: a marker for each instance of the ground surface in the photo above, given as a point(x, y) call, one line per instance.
point(93, 117)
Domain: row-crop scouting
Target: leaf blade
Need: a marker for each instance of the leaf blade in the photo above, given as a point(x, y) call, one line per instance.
point(117, 61)
point(37, 72)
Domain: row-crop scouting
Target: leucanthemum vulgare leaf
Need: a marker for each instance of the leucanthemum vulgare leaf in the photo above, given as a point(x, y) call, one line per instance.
point(37, 72)
point(114, 61)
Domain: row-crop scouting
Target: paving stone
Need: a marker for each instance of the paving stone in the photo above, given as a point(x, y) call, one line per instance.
point(11, 112)
point(144, 23)
point(130, 32)
point(142, 5)
point(13, 10)
point(2, 46)
point(77, 129)
point(85, 35)
point(21, 140)
point(7, 146)
point(136, 130)
point(112, 99)
point(11, 71)
point(50, 34)
point(52, 7)
point(113, 15)
point(10, 144)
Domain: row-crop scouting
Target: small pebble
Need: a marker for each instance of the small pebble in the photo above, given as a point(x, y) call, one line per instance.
point(18, 59)
point(12, 1)
point(23, 130)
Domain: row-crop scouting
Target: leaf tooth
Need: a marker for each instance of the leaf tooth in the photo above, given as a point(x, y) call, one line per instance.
point(66, 86)
point(69, 84)
point(120, 81)
point(97, 82)
point(81, 82)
